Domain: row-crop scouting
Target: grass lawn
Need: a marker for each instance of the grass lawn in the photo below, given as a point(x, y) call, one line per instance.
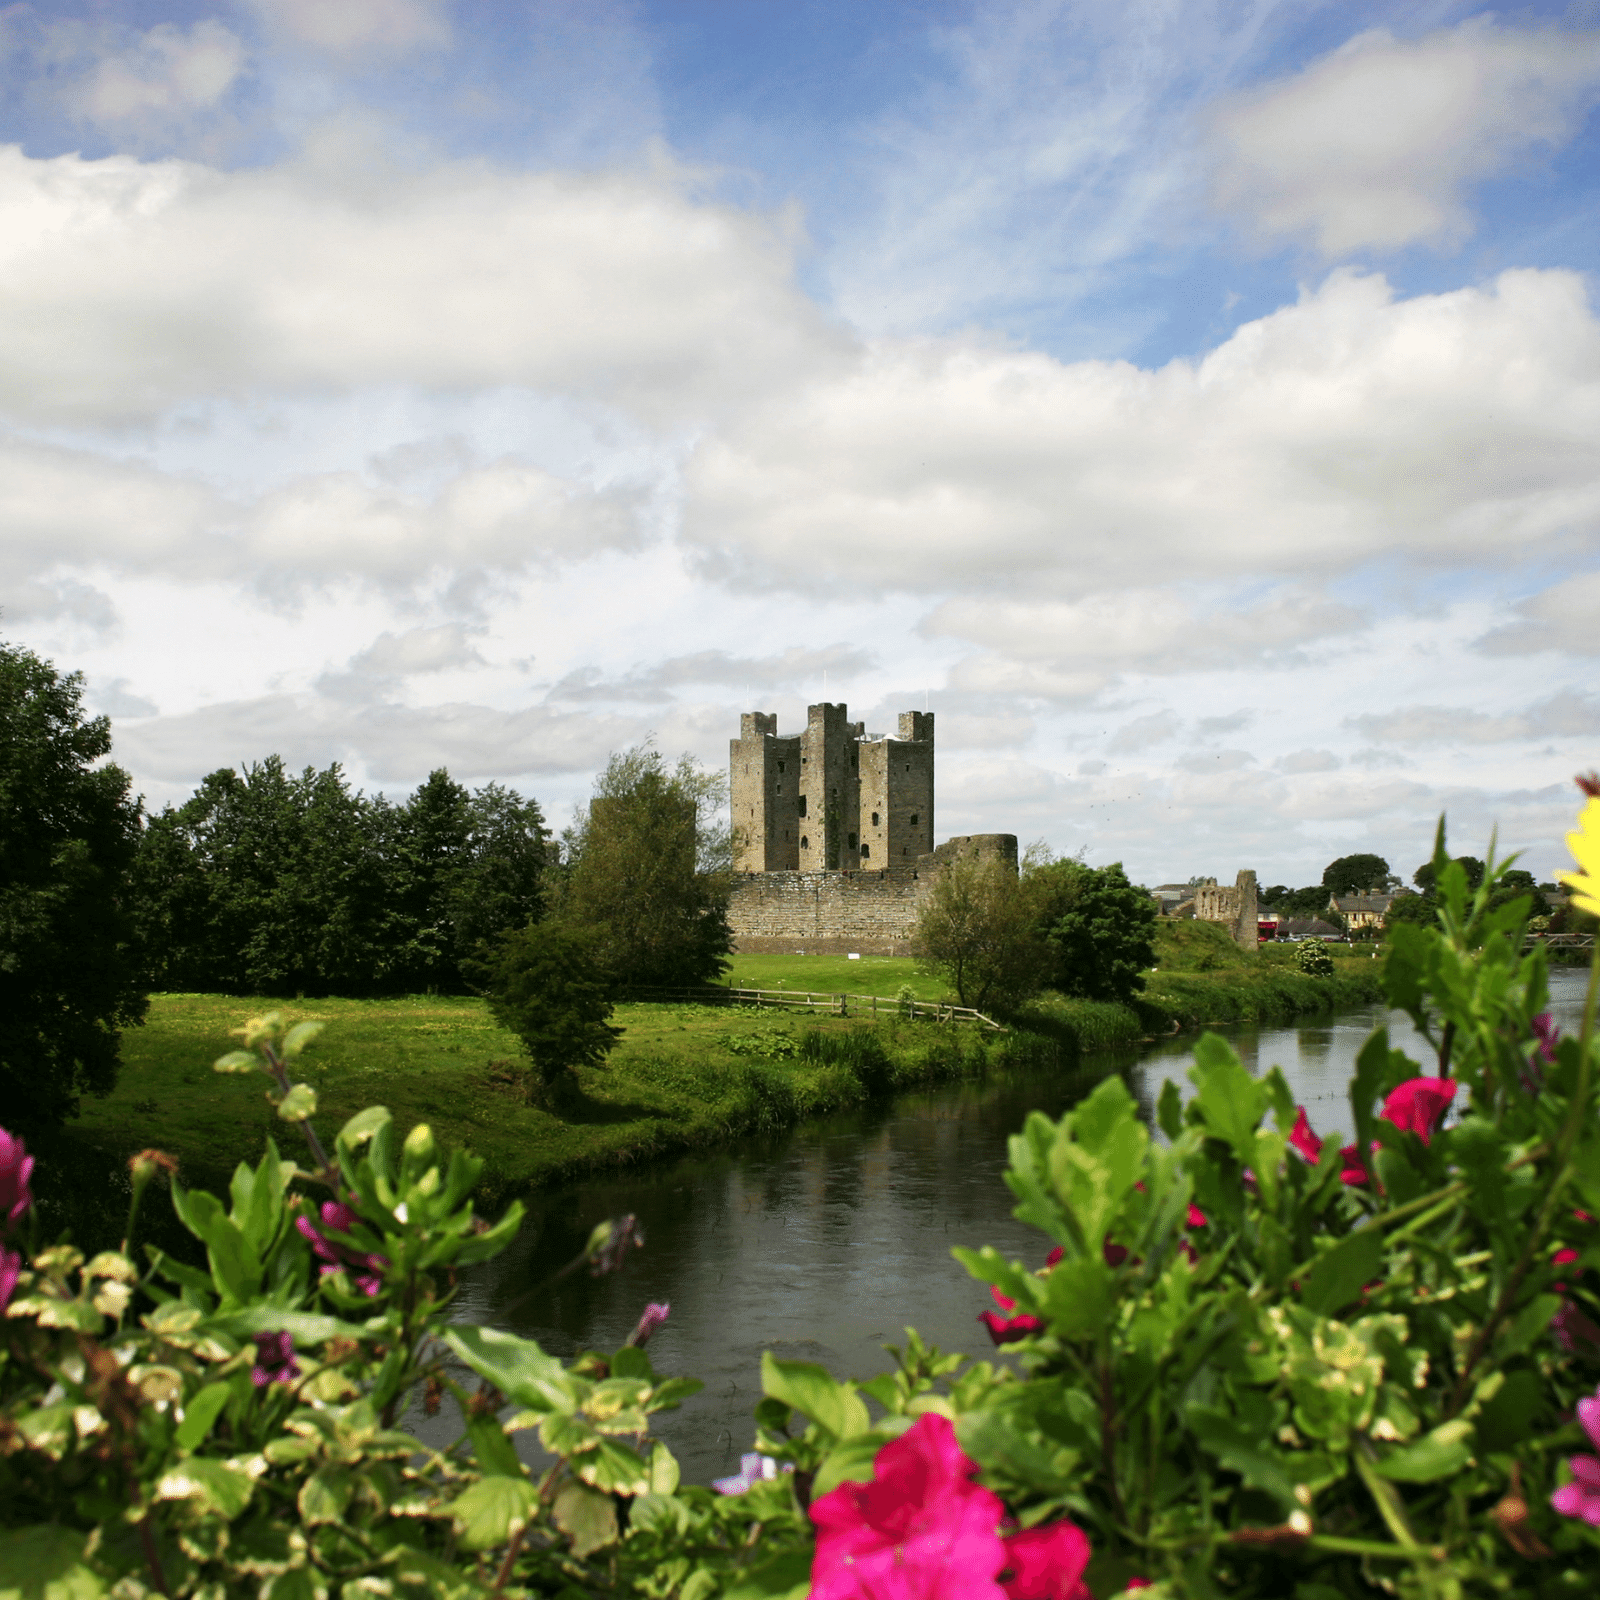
point(879, 975)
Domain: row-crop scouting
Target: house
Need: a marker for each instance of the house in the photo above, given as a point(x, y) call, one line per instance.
point(1307, 928)
point(1361, 910)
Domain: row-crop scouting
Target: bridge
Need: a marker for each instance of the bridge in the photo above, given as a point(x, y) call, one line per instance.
point(1561, 941)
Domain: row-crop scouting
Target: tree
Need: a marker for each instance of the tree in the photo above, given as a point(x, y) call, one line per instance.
point(550, 986)
point(69, 832)
point(649, 871)
point(1419, 908)
point(978, 931)
point(1424, 876)
point(1356, 874)
point(1098, 928)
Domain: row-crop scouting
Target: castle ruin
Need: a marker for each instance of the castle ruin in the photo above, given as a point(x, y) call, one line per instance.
point(1233, 904)
point(835, 833)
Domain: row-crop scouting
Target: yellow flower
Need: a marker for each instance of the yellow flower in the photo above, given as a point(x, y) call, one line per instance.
point(1585, 847)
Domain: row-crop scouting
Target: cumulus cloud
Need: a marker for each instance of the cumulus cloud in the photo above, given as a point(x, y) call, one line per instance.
point(128, 287)
point(1376, 144)
point(1308, 761)
point(1217, 761)
point(393, 743)
point(1569, 714)
point(1143, 732)
point(1562, 617)
point(1349, 426)
point(155, 80)
point(785, 669)
point(351, 28)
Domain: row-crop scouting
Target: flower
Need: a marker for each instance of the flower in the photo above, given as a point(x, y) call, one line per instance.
point(16, 1167)
point(1581, 1497)
point(1008, 1329)
point(920, 1530)
point(1418, 1104)
point(753, 1469)
point(1047, 1563)
point(1585, 847)
point(1308, 1145)
point(1548, 1035)
point(339, 1218)
point(275, 1362)
point(1572, 1328)
point(10, 1267)
point(654, 1316)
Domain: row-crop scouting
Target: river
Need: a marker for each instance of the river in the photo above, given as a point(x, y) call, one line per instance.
point(822, 1243)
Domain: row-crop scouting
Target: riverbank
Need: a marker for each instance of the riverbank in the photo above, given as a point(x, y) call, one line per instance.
point(683, 1078)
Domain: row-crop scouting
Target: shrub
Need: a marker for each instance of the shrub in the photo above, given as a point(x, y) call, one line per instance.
point(1313, 959)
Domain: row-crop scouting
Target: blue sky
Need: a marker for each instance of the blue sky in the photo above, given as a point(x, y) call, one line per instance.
point(1196, 404)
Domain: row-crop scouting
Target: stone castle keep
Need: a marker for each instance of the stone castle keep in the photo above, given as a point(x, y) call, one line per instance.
point(836, 833)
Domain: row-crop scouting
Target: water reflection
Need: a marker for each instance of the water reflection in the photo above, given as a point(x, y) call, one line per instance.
point(823, 1243)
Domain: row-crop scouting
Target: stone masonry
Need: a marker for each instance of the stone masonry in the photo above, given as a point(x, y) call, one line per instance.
point(1234, 905)
point(836, 833)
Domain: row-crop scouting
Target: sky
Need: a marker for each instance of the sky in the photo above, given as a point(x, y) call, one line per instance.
point(1194, 403)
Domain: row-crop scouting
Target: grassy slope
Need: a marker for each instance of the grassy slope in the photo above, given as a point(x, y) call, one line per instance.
point(678, 1080)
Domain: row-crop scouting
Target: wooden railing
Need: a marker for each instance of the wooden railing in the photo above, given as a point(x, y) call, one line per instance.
point(1561, 941)
point(817, 1001)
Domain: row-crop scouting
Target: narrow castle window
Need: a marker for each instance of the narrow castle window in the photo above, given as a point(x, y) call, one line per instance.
point(802, 805)
point(866, 850)
point(874, 819)
point(780, 766)
point(805, 843)
point(852, 841)
point(913, 819)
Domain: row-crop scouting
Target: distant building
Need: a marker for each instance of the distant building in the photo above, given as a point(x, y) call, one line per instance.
point(1307, 928)
point(1361, 910)
point(1169, 896)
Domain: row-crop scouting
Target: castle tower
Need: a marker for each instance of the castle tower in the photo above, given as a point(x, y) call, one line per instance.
point(832, 798)
point(764, 773)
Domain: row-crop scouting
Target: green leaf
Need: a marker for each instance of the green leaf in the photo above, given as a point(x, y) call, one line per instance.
point(614, 1468)
point(518, 1368)
point(200, 1413)
point(1169, 1110)
point(481, 1246)
point(307, 1327)
point(325, 1495)
point(299, 1036)
point(46, 1563)
point(363, 1125)
point(808, 1388)
point(1435, 1455)
point(493, 1510)
point(1229, 1100)
point(1079, 1296)
point(495, 1453)
point(218, 1487)
point(587, 1517)
point(237, 1061)
point(1239, 1450)
point(299, 1104)
point(786, 1576)
point(1339, 1276)
point(664, 1472)
point(850, 1462)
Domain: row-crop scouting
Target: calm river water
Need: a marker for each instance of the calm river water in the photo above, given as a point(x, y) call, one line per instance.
point(822, 1244)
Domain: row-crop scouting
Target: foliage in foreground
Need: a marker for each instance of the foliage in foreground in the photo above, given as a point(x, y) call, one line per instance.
point(1253, 1363)
point(69, 978)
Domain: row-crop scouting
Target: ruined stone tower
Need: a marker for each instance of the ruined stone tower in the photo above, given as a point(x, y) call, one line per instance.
point(834, 798)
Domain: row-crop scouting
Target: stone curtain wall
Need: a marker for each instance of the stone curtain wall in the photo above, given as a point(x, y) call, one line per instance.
point(1234, 904)
point(829, 913)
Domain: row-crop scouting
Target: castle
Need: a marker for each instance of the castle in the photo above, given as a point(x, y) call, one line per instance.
point(835, 833)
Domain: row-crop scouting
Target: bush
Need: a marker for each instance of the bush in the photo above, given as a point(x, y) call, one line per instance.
point(1098, 928)
point(1313, 959)
point(549, 986)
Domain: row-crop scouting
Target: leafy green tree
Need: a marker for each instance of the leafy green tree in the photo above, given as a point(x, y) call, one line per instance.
point(649, 871)
point(978, 931)
point(1311, 901)
point(1421, 909)
point(69, 833)
point(1356, 874)
point(549, 985)
point(1098, 928)
point(1425, 875)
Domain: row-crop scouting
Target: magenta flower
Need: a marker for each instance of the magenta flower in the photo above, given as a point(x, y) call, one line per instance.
point(16, 1167)
point(1581, 1497)
point(10, 1268)
point(339, 1218)
point(1548, 1035)
point(275, 1362)
point(1572, 1329)
point(1047, 1563)
point(921, 1530)
point(1418, 1104)
point(654, 1316)
point(1008, 1329)
point(1353, 1169)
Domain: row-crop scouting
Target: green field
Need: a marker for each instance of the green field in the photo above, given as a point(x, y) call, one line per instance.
point(877, 975)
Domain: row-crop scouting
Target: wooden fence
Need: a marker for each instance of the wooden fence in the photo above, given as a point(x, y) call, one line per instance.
point(817, 1002)
point(1561, 941)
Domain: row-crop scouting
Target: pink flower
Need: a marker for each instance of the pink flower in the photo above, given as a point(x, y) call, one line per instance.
point(1303, 1139)
point(16, 1167)
point(1418, 1104)
point(1572, 1328)
point(339, 1218)
point(654, 1316)
point(1581, 1497)
point(10, 1268)
point(275, 1362)
point(1548, 1035)
point(1047, 1563)
point(921, 1530)
point(1008, 1329)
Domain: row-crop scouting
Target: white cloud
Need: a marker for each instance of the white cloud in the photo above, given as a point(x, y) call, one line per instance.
point(128, 287)
point(1308, 761)
point(1565, 616)
point(1143, 732)
point(1569, 714)
point(417, 650)
point(1376, 144)
point(158, 79)
point(785, 669)
point(1347, 427)
point(347, 28)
